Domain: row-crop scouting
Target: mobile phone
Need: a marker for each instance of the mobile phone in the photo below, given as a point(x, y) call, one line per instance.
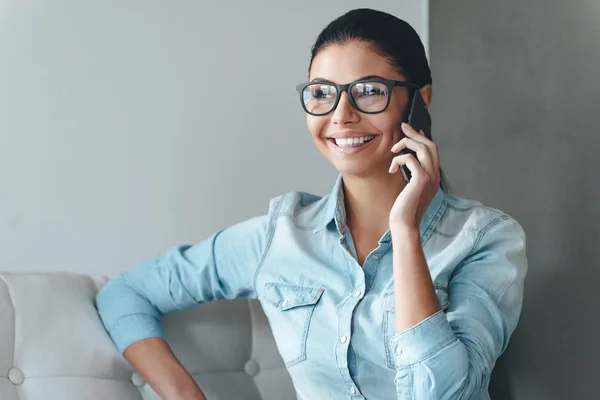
point(419, 119)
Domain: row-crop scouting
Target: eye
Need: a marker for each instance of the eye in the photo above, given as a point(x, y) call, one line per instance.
point(369, 90)
point(322, 93)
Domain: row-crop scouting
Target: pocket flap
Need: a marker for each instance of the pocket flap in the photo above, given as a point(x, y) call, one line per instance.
point(285, 296)
point(389, 302)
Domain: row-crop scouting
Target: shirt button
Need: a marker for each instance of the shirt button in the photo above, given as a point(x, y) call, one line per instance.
point(284, 303)
point(375, 256)
point(343, 339)
point(398, 350)
point(357, 293)
point(352, 390)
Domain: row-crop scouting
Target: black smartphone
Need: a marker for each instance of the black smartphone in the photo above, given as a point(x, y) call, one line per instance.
point(419, 119)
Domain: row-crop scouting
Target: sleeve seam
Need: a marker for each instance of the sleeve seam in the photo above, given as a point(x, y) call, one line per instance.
point(418, 324)
point(433, 354)
point(477, 243)
point(122, 317)
point(216, 269)
point(271, 234)
point(485, 230)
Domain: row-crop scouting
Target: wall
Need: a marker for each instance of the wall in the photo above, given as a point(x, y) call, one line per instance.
point(516, 115)
point(127, 127)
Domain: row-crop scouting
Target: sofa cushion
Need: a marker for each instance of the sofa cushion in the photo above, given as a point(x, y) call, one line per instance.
point(53, 345)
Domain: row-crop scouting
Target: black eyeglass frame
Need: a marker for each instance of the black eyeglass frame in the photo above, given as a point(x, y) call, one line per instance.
point(389, 84)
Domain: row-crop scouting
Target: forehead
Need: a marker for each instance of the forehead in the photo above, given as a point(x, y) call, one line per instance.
point(349, 62)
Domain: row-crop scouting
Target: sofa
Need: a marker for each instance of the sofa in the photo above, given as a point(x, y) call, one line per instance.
point(53, 345)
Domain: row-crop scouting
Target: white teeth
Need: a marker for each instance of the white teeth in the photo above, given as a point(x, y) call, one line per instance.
point(350, 142)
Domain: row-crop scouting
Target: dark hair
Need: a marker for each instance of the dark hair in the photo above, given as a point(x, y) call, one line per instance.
point(391, 37)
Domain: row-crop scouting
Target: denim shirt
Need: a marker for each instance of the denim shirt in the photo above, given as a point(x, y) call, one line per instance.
point(333, 320)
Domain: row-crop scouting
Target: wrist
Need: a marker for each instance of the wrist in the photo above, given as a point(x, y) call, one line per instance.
point(404, 229)
point(192, 392)
point(404, 235)
point(190, 396)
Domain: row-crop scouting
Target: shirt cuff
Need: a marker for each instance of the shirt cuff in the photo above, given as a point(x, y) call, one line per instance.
point(422, 340)
point(132, 328)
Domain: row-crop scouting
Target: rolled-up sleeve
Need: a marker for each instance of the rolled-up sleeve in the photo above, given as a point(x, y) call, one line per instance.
point(450, 355)
point(221, 267)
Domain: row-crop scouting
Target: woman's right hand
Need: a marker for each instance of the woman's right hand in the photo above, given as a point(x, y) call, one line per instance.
point(156, 363)
point(198, 395)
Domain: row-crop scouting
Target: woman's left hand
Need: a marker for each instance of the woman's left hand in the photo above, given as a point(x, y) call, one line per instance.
point(411, 204)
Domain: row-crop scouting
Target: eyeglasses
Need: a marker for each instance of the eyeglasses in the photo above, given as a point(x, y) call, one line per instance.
point(370, 96)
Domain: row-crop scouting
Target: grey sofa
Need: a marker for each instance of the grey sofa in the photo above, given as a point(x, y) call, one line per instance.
point(53, 345)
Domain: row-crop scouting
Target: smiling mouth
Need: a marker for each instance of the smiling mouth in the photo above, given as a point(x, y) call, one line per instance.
point(352, 142)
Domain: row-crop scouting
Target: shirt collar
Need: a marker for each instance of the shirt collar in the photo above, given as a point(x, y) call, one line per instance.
point(335, 210)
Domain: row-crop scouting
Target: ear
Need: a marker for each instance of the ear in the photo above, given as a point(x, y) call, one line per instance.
point(426, 94)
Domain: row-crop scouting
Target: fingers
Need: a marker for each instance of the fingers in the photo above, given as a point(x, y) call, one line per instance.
point(413, 134)
point(418, 173)
point(422, 151)
point(426, 150)
point(420, 137)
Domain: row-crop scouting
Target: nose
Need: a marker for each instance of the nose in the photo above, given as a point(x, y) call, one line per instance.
point(344, 113)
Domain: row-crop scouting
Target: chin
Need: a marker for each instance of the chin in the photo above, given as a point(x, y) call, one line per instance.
point(354, 168)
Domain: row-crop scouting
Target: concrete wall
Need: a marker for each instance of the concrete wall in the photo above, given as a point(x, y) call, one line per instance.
point(127, 127)
point(516, 111)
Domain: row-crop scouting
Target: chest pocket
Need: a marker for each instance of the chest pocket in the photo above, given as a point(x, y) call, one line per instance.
point(290, 309)
point(389, 320)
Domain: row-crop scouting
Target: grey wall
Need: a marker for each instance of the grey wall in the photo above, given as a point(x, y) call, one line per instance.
point(516, 112)
point(114, 144)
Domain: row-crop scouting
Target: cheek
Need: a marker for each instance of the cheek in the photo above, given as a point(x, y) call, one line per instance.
point(315, 125)
point(388, 124)
point(394, 116)
point(397, 113)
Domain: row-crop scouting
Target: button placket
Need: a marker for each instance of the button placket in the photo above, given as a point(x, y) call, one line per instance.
point(344, 330)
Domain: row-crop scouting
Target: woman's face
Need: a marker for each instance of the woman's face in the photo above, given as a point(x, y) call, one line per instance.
point(343, 64)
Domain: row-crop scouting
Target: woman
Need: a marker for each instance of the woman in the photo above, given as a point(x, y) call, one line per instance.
point(381, 290)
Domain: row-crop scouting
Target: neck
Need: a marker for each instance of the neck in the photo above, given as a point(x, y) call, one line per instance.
point(369, 201)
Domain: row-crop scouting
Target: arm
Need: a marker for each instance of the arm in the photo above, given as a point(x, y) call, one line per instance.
point(153, 359)
point(132, 303)
point(451, 355)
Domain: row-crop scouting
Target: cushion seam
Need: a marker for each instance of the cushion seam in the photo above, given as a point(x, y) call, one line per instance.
point(12, 303)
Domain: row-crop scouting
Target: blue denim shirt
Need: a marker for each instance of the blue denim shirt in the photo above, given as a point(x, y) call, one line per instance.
point(333, 321)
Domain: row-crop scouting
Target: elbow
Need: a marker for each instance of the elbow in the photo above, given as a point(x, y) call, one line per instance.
point(117, 300)
point(471, 374)
point(127, 316)
point(108, 299)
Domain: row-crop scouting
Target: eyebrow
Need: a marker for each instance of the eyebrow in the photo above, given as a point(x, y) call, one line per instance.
point(319, 79)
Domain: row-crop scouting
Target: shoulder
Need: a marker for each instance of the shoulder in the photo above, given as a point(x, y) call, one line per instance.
point(466, 215)
point(301, 208)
